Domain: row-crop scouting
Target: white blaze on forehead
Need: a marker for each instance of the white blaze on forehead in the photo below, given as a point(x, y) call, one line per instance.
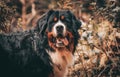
point(59, 23)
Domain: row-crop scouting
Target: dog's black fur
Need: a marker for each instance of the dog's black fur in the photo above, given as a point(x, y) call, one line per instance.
point(23, 54)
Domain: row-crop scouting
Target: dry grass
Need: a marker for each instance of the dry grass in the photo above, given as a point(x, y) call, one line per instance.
point(98, 51)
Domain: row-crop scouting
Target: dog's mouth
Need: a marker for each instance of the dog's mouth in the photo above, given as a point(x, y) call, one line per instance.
point(61, 42)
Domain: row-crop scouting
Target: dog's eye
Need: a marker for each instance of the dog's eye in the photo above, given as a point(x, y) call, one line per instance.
point(55, 19)
point(62, 17)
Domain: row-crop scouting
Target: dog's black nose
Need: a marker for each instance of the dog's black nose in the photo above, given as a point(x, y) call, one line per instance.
point(59, 28)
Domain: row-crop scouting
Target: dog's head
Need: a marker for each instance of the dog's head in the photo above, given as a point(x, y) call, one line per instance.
point(60, 29)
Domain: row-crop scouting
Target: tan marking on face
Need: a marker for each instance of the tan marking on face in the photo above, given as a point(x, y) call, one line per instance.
point(55, 19)
point(62, 17)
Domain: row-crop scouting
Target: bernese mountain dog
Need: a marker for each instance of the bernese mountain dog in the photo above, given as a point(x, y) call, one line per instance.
point(45, 51)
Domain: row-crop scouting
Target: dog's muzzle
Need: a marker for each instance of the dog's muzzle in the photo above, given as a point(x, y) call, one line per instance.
point(59, 29)
point(59, 34)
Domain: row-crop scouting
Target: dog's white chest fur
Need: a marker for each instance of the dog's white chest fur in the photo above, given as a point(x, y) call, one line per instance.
point(61, 59)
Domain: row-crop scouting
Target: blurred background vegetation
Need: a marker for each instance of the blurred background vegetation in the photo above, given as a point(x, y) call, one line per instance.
point(98, 51)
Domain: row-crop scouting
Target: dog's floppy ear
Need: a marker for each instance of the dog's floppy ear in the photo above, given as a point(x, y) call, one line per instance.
point(75, 22)
point(42, 22)
point(42, 25)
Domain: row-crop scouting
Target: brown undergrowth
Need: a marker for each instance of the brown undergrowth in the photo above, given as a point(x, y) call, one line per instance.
point(98, 51)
